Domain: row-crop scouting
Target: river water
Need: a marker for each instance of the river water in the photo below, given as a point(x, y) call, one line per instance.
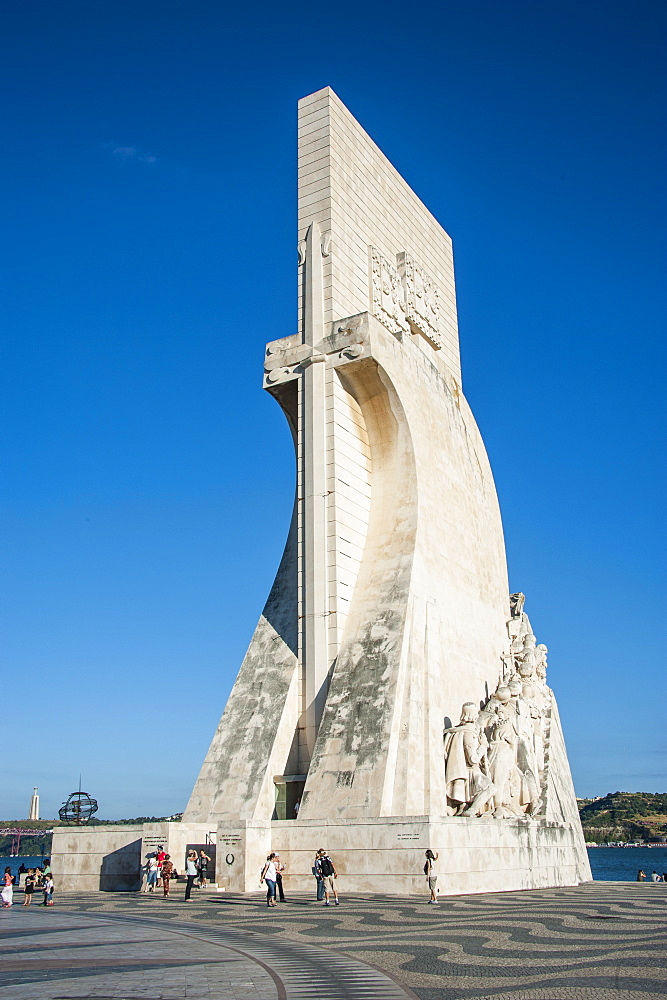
point(621, 864)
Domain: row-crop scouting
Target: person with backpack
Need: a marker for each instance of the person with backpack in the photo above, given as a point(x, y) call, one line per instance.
point(325, 866)
point(202, 868)
point(431, 875)
point(318, 878)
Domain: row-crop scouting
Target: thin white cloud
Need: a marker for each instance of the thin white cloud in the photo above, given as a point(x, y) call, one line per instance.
point(127, 153)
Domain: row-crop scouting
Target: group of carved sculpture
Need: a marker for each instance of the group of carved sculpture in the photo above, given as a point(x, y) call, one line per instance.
point(495, 757)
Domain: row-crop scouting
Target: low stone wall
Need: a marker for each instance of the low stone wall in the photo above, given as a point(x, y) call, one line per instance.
point(106, 858)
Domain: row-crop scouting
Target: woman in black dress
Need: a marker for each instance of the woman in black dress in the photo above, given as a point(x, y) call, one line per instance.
point(29, 887)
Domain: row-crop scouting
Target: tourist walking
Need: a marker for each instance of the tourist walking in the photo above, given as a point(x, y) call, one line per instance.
point(48, 890)
point(318, 878)
point(431, 875)
point(190, 873)
point(327, 870)
point(268, 875)
point(159, 857)
point(280, 868)
point(167, 872)
point(7, 888)
point(202, 868)
point(29, 887)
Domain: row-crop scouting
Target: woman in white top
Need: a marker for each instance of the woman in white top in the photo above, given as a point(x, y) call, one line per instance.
point(8, 888)
point(191, 873)
point(430, 870)
point(151, 874)
point(269, 876)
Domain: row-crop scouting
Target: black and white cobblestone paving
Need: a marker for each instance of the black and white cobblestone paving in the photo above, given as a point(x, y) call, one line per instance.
point(604, 941)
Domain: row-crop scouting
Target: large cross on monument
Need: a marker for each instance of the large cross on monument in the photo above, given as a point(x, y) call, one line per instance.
point(312, 447)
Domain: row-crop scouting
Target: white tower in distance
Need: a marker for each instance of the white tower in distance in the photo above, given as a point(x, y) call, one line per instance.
point(34, 805)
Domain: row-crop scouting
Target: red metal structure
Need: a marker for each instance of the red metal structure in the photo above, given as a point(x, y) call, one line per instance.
point(16, 833)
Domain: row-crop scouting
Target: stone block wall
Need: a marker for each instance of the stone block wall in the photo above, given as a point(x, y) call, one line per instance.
point(349, 186)
point(106, 858)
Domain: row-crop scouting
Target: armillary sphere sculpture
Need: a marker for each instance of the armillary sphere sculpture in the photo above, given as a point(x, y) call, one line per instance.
point(78, 809)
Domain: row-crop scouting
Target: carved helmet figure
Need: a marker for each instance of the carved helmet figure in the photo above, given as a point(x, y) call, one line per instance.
point(515, 687)
point(502, 694)
point(468, 712)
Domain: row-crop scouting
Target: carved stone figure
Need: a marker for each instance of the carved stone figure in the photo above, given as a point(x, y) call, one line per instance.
point(530, 696)
point(526, 657)
point(526, 760)
point(465, 747)
point(541, 662)
point(516, 604)
point(503, 788)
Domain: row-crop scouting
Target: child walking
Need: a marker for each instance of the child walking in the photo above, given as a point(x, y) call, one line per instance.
point(29, 887)
point(48, 890)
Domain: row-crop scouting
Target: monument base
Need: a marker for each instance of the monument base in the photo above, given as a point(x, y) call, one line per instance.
point(386, 855)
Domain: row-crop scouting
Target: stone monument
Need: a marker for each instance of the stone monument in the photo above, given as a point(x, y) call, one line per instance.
point(390, 609)
point(390, 615)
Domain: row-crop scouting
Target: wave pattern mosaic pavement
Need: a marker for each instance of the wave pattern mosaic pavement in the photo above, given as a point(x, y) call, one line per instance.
point(601, 941)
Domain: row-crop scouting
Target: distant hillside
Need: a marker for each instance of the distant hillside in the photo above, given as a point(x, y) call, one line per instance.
point(624, 816)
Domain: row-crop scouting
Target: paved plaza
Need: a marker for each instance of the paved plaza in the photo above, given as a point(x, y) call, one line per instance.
point(603, 941)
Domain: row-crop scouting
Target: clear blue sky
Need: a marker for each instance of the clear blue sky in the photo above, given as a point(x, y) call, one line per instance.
point(149, 183)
